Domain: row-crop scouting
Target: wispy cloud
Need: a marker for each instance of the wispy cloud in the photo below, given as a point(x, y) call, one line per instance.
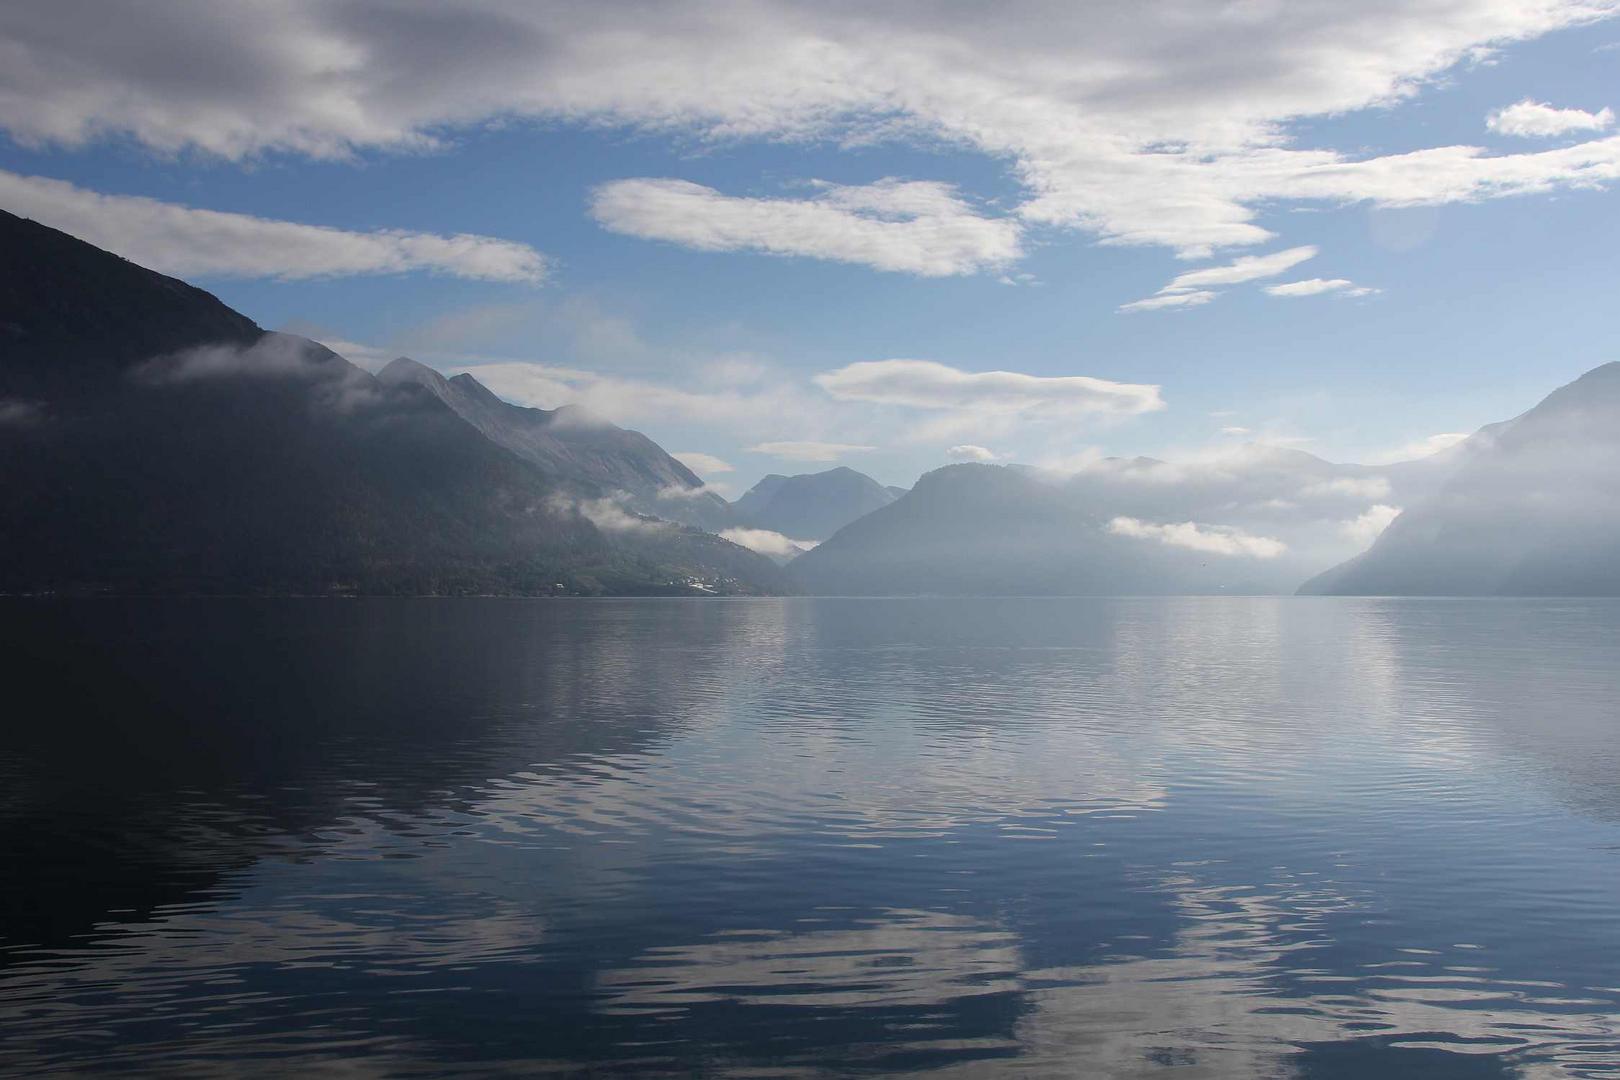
point(767, 542)
point(970, 452)
point(927, 384)
point(913, 227)
point(1246, 268)
point(1169, 300)
point(1317, 286)
point(186, 241)
point(607, 513)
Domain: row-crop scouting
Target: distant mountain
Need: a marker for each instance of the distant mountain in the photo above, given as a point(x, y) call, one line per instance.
point(568, 442)
point(1532, 508)
point(811, 506)
point(153, 440)
point(1258, 521)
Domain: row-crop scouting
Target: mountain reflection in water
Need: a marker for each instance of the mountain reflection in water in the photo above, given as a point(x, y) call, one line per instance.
point(1199, 837)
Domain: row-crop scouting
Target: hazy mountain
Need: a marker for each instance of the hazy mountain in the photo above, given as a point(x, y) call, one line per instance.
point(1532, 508)
point(569, 442)
point(1258, 520)
point(155, 440)
point(811, 506)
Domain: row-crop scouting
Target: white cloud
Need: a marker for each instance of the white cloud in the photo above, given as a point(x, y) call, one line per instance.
point(682, 493)
point(701, 463)
point(1423, 448)
point(1236, 431)
point(1155, 123)
point(1191, 289)
point(607, 513)
point(767, 542)
point(1317, 286)
point(969, 452)
point(1537, 120)
point(1213, 539)
point(1169, 300)
point(1365, 528)
point(808, 450)
point(915, 227)
point(1245, 268)
point(185, 241)
point(926, 384)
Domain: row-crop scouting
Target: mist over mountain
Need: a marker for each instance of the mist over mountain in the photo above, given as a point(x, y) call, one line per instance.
point(1532, 509)
point(569, 442)
point(1258, 520)
point(154, 440)
point(811, 506)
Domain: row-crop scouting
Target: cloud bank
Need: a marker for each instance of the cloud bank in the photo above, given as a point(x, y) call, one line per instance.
point(1157, 123)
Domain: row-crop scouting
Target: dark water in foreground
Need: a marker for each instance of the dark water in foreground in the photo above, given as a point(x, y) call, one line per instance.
point(1190, 837)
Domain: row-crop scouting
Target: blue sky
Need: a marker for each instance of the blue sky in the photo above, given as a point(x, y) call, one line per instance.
point(974, 223)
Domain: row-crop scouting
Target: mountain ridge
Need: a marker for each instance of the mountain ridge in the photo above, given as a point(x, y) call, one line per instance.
point(560, 441)
point(810, 506)
point(202, 454)
point(1533, 508)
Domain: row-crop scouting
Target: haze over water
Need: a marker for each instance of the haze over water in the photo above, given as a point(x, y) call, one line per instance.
point(1197, 837)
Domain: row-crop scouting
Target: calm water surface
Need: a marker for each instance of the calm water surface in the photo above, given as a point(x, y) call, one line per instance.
point(1183, 837)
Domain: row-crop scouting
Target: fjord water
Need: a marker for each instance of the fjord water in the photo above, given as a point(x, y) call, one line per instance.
point(1197, 837)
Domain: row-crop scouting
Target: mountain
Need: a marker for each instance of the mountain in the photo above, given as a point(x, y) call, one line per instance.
point(1532, 509)
point(811, 506)
point(74, 318)
point(569, 442)
point(1258, 520)
point(154, 440)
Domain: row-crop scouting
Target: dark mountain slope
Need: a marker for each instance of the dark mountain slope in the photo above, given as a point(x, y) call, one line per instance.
point(230, 460)
point(73, 316)
point(568, 443)
point(1533, 508)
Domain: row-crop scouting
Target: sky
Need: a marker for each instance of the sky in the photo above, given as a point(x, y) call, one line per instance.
point(779, 237)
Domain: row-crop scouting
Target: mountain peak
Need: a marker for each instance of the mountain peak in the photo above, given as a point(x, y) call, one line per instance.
point(812, 506)
point(403, 368)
